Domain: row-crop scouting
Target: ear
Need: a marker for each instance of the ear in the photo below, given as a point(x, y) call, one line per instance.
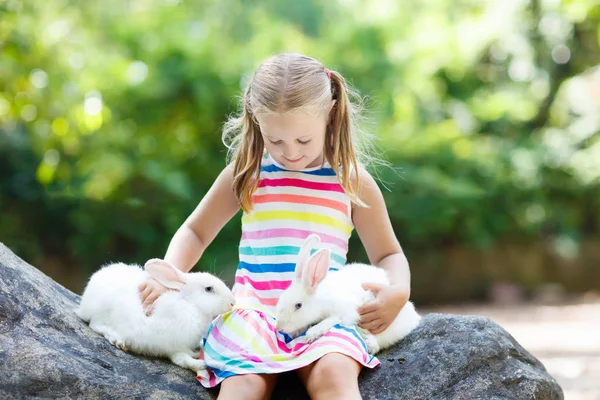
point(316, 270)
point(310, 243)
point(164, 272)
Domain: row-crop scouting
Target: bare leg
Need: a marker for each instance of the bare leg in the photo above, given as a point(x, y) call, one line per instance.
point(334, 376)
point(248, 387)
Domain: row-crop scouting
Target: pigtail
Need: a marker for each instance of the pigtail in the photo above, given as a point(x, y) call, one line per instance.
point(246, 150)
point(340, 148)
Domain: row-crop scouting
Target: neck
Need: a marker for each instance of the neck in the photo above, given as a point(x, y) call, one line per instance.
point(318, 162)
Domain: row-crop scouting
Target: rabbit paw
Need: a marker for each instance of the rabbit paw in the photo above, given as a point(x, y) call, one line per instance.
point(197, 365)
point(185, 360)
point(122, 346)
point(119, 344)
point(370, 341)
point(372, 345)
point(313, 334)
point(111, 336)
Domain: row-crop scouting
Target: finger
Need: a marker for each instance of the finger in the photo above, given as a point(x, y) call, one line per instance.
point(149, 310)
point(367, 325)
point(373, 287)
point(149, 300)
point(372, 316)
point(377, 330)
point(371, 324)
point(368, 308)
point(144, 295)
point(149, 306)
point(142, 287)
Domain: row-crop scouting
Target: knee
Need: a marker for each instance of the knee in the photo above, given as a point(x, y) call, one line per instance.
point(334, 374)
point(246, 387)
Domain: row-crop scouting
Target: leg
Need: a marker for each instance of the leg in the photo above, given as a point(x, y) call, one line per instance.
point(110, 335)
point(248, 387)
point(185, 360)
point(334, 376)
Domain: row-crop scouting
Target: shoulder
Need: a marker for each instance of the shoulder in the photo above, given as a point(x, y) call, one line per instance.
point(227, 173)
point(223, 184)
point(362, 174)
point(367, 188)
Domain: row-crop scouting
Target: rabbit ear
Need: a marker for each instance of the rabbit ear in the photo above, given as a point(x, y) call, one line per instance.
point(316, 270)
point(309, 243)
point(164, 272)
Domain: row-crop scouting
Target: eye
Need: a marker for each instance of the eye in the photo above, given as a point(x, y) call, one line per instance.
point(209, 289)
point(277, 142)
point(301, 142)
point(298, 306)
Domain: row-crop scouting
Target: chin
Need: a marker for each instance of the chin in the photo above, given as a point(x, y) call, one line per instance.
point(293, 166)
point(297, 166)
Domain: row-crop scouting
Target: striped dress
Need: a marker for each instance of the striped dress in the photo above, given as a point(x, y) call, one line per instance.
point(287, 207)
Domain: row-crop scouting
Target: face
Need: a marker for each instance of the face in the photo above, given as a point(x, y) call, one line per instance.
point(294, 139)
point(208, 293)
point(295, 310)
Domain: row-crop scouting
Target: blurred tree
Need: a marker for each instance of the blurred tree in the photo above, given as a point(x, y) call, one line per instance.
point(110, 116)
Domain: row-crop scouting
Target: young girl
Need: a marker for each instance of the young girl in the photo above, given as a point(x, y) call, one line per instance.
point(295, 171)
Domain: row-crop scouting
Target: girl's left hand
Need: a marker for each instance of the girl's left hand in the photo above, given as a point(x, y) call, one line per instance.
point(378, 314)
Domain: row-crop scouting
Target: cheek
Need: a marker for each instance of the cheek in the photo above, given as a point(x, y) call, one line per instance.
point(315, 149)
point(272, 149)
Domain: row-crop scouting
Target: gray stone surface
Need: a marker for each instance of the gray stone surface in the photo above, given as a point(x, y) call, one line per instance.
point(47, 352)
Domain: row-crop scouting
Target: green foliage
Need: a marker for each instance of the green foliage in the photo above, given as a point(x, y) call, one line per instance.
point(110, 115)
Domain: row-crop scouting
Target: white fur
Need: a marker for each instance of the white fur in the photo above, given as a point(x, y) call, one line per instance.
point(330, 298)
point(111, 304)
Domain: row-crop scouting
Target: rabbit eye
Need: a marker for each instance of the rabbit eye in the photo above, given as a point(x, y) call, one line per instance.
point(298, 306)
point(209, 289)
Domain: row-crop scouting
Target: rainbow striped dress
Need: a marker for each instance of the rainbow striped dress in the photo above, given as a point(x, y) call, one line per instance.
point(287, 207)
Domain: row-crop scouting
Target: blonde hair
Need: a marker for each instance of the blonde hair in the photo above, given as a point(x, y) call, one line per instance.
point(290, 82)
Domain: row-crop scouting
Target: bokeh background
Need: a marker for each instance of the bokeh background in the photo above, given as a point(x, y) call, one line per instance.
point(488, 112)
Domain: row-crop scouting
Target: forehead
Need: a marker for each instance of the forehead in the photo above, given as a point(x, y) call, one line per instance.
point(291, 124)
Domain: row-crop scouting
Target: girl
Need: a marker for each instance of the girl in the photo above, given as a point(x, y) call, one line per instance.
point(295, 171)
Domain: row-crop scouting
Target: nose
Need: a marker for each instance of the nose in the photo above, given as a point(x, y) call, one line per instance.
point(290, 153)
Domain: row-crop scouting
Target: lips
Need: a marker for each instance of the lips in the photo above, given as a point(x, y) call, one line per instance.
point(293, 161)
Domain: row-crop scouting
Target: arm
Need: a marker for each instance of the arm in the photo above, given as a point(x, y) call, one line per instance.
point(383, 249)
point(377, 235)
point(216, 208)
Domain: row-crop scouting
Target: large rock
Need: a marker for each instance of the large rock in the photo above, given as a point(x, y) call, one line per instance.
point(47, 352)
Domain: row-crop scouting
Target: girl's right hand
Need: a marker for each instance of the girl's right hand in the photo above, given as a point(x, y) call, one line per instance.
point(149, 291)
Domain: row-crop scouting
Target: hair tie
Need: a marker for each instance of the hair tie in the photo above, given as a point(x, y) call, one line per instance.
point(328, 72)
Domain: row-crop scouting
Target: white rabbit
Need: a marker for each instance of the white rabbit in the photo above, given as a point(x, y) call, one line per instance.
point(111, 304)
point(326, 298)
